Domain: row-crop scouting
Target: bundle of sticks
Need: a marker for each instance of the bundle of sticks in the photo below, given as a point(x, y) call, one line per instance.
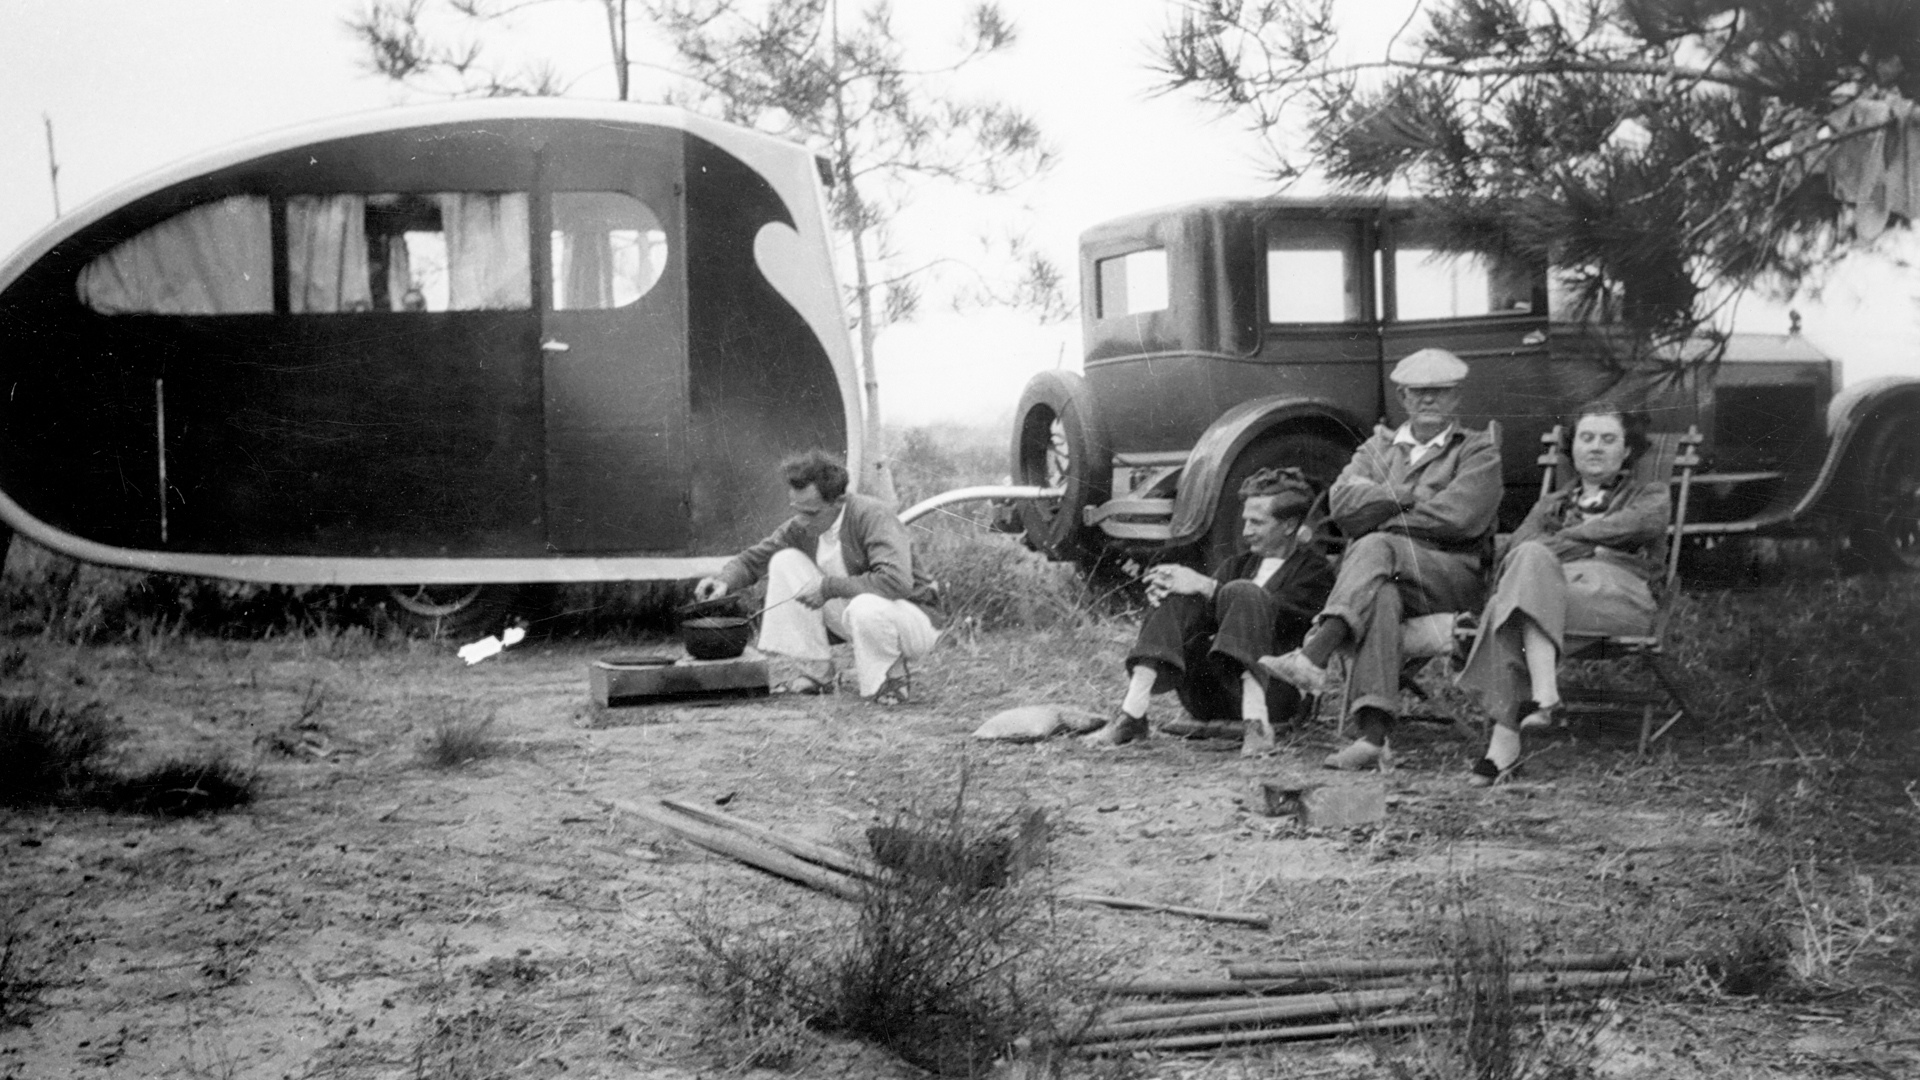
point(1296, 1000)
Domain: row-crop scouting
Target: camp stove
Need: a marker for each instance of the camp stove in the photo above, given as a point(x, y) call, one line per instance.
point(620, 681)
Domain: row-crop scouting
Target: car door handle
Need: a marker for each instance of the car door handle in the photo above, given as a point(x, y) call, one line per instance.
point(552, 345)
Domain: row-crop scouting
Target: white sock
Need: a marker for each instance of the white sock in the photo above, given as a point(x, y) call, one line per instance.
point(1139, 690)
point(1504, 748)
point(1253, 698)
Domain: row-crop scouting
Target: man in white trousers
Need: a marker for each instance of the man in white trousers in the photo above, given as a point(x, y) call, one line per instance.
point(842, 564)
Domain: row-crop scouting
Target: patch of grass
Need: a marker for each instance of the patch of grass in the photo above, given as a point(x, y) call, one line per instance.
point(20, 983)
point(949, 976)
point(52, 755)
point(1480, 1031)
point(456, 741)
point(180, 788)
point(49, 753)
point(989, 582)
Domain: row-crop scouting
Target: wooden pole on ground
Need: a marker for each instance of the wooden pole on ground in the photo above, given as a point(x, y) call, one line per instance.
point(1244, 918)
point(1303, 1006)
point(830, 857)
point(1359, 969)
point(759, 855)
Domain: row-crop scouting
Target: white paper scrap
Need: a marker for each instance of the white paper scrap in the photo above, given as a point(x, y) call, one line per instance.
point(477, 651)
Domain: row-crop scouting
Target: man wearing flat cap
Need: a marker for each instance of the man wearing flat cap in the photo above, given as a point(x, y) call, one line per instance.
point(1419, 504)
point(1206, 634)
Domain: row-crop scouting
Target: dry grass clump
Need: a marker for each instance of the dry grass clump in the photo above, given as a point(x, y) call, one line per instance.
point(460, 740)
point(987, 580)
point(20, 983)
point(180, 788)
point(949, 976)
point(48, 753)
point(1479, 1030)
point(52, 756)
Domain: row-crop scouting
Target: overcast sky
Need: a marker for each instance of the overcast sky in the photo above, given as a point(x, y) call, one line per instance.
point(131, 85)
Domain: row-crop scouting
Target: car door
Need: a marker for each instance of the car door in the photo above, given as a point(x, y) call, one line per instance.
point(614, 341)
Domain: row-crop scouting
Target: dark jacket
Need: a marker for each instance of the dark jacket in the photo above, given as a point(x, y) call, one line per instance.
point(876, 546)
point(1300, 587)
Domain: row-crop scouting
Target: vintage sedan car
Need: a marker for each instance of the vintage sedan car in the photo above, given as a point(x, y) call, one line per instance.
point(1230, 335)
point(441, 349)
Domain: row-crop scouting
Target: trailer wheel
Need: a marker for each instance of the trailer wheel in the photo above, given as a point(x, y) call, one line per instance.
point(1320, 457)
point(1886, 520)
point(451, 611)
point(1057, 442)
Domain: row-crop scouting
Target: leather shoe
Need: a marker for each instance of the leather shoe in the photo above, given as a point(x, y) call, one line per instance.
point(1360, 755)
point(1295, 669)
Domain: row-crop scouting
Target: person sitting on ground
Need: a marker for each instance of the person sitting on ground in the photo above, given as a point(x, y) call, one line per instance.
point(1582, 562)
point(847, 562)
point(1204, 634)
point(1420, 503)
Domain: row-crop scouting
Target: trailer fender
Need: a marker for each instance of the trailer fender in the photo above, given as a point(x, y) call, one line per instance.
point(1222, 446)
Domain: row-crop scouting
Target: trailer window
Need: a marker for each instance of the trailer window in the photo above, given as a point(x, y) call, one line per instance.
point(215, 259)
point(1313, 275)
point(609, 250)
point(445, 251)
point(1433, 284)
point(1133, 283)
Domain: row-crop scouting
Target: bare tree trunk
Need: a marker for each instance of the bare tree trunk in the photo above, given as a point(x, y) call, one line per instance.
point(617, 38)
point(878, 480)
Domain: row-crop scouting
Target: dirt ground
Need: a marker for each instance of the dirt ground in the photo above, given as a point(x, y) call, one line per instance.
point(371, 916)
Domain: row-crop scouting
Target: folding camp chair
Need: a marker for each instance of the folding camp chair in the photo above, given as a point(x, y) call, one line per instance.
point(1673, 455)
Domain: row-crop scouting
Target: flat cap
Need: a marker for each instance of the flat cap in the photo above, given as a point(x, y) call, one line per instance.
point(1429, 369)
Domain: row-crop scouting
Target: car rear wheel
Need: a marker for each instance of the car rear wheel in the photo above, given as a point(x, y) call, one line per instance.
point(1314, 454)
point(1886, 519)
point(451, 611)
point(1057, 442)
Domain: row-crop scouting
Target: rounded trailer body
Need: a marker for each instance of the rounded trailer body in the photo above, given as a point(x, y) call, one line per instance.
point(1230, 335)
point(488, 342)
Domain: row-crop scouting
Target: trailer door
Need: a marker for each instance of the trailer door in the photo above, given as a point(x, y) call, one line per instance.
point(613, 344)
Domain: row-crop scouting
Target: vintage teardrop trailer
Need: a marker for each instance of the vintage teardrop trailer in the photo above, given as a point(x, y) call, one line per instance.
point(502, 341)
point(1229, 335)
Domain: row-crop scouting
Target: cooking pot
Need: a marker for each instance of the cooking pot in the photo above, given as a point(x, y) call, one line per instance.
point(716, 637)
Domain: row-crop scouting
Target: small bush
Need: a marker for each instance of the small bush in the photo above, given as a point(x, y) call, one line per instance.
point(1479, 1031)
point(49, 754)
point(180, 788)
point(948, 976)
point(458, 741)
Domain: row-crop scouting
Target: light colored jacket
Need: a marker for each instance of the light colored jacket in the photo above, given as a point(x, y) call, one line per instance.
point(1451, 500)
point(877, 549)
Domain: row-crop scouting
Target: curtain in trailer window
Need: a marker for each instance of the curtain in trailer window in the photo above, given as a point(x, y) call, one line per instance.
point(327, 253)
point(215, 259)
point(488, 266)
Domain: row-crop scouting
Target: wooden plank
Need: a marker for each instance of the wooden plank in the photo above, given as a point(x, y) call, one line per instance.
point(831, 857)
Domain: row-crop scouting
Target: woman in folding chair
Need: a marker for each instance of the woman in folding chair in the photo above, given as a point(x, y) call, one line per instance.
point(1582, 562)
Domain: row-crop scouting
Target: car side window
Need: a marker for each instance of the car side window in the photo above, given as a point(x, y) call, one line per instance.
point(1432, 283)
point(213, 259)
point(1132, 284)
point(1313, 273)
point(609, 249)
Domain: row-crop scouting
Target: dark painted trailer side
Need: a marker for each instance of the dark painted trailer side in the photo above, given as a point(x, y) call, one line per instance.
point(487, 443)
